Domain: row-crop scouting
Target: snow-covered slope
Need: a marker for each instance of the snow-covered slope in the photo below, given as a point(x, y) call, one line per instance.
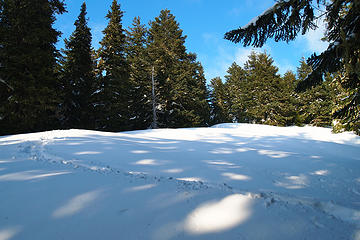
point(231, 181)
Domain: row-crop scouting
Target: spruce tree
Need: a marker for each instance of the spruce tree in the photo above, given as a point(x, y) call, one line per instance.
point(27, 65)
point(114, 96)
point(139, 75)
point(287, 18)
point(176, 72)
point(191, 108)
point(263, 83)
point(165, 48)
point(257, 93)
point(287, 101)
point(219, 102)
point(236, 88)
point(78, 78)
point(317, 103)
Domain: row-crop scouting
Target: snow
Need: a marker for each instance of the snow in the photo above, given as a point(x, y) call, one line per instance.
point(230, 181)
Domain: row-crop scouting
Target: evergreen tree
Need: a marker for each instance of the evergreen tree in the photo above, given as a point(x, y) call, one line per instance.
point(315, 104)
point(191, 108)
point(257, 93)
point(286, 19)
point(165, 48)
point(115, 86)
point(263, 89)
point(236, 89)
point(287, 101)
point(78, 77)
point(176, 72)
point(219, 102)
point(29, 88)
point(140, 75)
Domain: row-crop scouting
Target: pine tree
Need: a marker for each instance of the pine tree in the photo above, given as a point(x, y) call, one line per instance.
point(286, 19)
point(115, 86)
point(78, 77)
point(140, 75)
point(27, 65)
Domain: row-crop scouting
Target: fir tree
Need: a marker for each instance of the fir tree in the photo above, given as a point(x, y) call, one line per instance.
point(191, 108)
point(263, 80)
point(165, 48)
point(27, 65)
point(257, 93)
point(236, 88)
point(115, 86)
point(176, 73)
point(317, 103)
point(287, 101)
point(140, 75)
point(78, 76)
point(219, 102)
point(286, 19)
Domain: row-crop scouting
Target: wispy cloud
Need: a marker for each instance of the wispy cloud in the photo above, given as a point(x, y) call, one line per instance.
point(313, 38)
point(224, 54)
point(242, 55)
point(97, 35)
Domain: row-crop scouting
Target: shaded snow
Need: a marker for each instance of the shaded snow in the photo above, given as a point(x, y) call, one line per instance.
point(231, 181)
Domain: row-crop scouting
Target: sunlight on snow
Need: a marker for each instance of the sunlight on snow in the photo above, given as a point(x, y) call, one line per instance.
point(5, 161)
point(76, 204)
point(147, 162)
point(215, 141)
point(6, 234)
point(274, 154)
point(190, 179)
point(294, 182)
point(173, 170)
point(234, 176)
point(140, 188)
point(87, 153)
point(220, 163)
point(29, 175)
point(165, 148)
point(140, 151)
point(222, 151)
point(245, 149)
point(219, 216)
point(321, 172)
point(73, 143)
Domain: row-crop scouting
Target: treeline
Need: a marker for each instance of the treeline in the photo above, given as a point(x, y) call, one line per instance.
point(111, 88)
point(107, 89)
point(256, 93)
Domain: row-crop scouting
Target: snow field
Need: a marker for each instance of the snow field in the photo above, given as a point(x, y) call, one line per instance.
point(232, 181)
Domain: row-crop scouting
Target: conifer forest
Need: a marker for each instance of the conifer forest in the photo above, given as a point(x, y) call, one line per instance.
point(142, 76)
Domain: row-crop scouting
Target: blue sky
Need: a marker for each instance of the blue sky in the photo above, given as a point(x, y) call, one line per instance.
point(204, 22)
